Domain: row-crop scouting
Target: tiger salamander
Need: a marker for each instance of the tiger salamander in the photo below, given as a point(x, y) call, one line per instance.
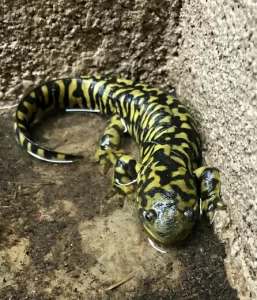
point(172, 188)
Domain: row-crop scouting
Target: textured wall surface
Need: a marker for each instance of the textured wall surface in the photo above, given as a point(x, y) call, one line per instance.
point(217, 72)
point(42, 40)
point(207, 49)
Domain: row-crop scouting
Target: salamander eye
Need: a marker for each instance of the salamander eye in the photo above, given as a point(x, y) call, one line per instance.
point(150, 215)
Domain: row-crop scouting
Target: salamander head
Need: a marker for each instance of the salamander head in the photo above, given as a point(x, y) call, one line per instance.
point(168, 214)
point(166, 223)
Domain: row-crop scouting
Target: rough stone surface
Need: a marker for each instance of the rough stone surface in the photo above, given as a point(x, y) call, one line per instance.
point(207, 49)
point(216, 71)
point(48, 39)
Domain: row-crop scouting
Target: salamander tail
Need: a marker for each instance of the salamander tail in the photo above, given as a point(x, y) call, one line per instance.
point(39, 152)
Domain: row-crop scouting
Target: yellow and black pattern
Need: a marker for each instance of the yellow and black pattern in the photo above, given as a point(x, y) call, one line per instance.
point(172, 187)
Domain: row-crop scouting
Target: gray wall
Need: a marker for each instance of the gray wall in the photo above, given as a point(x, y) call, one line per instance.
point(216, 71)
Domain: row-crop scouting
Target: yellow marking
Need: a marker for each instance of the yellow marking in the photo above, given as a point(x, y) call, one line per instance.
point(120, 91)
point(136, 93)
point(144, 125)
point(15, 126)
point(32, 95)
point(146, 88)
point(169, 130)
point(181, 149)
point(153, 90)
point(29, 147)
point(205, 205)
point(186, 125)
point(180, 105)
point(41, 152)
point(132, 112)
point(73, 100)
point(45, 93)
point(22, 138)
point(184, 145)
point(123, 106)
point(166, 119)
point(125, 179)
point(136, 115)
point(178, 160)
point(22, 126)
point(148, 115)
point(182, 135)
point(195, 148)
point(146, 150)
point(157, 178)
point(165, 148)
point(180, 171)
point(126, 81)
point(85, 88)
point(153, 184)
point(182, 205)
point(153, 120)
point(120, 170)
point(145, 158)
point(169, 100)
point(96, 90)
point(31, 108)
point(21, 115)
point(152, 99)
point(182, 116)
point(142, 109)
point(62, 87)
point(182, 185)
point(151, 134)
point(99, 77)
point(60, 156)
point(105, 95)
point(160, 168)
point(141, 101)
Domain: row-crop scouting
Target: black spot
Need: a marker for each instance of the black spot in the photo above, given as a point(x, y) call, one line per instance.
point(143, 201)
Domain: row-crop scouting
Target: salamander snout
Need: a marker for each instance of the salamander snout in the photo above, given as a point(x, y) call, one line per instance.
point(166, 223)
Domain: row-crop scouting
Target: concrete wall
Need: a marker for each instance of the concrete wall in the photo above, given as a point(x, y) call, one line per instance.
point(207, 49)
point(216, 70)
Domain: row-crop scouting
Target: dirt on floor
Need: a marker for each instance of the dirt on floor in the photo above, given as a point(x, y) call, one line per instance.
point(61, 238)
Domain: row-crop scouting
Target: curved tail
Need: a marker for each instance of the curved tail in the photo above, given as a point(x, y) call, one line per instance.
point(71, 94)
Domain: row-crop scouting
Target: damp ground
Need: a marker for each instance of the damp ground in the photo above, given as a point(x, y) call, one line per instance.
point(61, 238)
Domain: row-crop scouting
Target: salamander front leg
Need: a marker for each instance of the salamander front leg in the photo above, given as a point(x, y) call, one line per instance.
point(124, 177)
point(108, 151)
point(209, 179)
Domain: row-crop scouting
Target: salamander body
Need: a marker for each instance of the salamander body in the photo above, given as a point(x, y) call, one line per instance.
point(172, 188)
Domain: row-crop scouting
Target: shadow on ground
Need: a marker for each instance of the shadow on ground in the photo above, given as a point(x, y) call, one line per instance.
point(61, 238)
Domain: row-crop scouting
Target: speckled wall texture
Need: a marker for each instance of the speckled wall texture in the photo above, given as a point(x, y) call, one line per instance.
point(217, 73)
point(207, 49)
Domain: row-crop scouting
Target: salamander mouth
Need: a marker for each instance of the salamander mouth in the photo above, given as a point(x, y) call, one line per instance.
point(169, 239)
point(164, 240)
